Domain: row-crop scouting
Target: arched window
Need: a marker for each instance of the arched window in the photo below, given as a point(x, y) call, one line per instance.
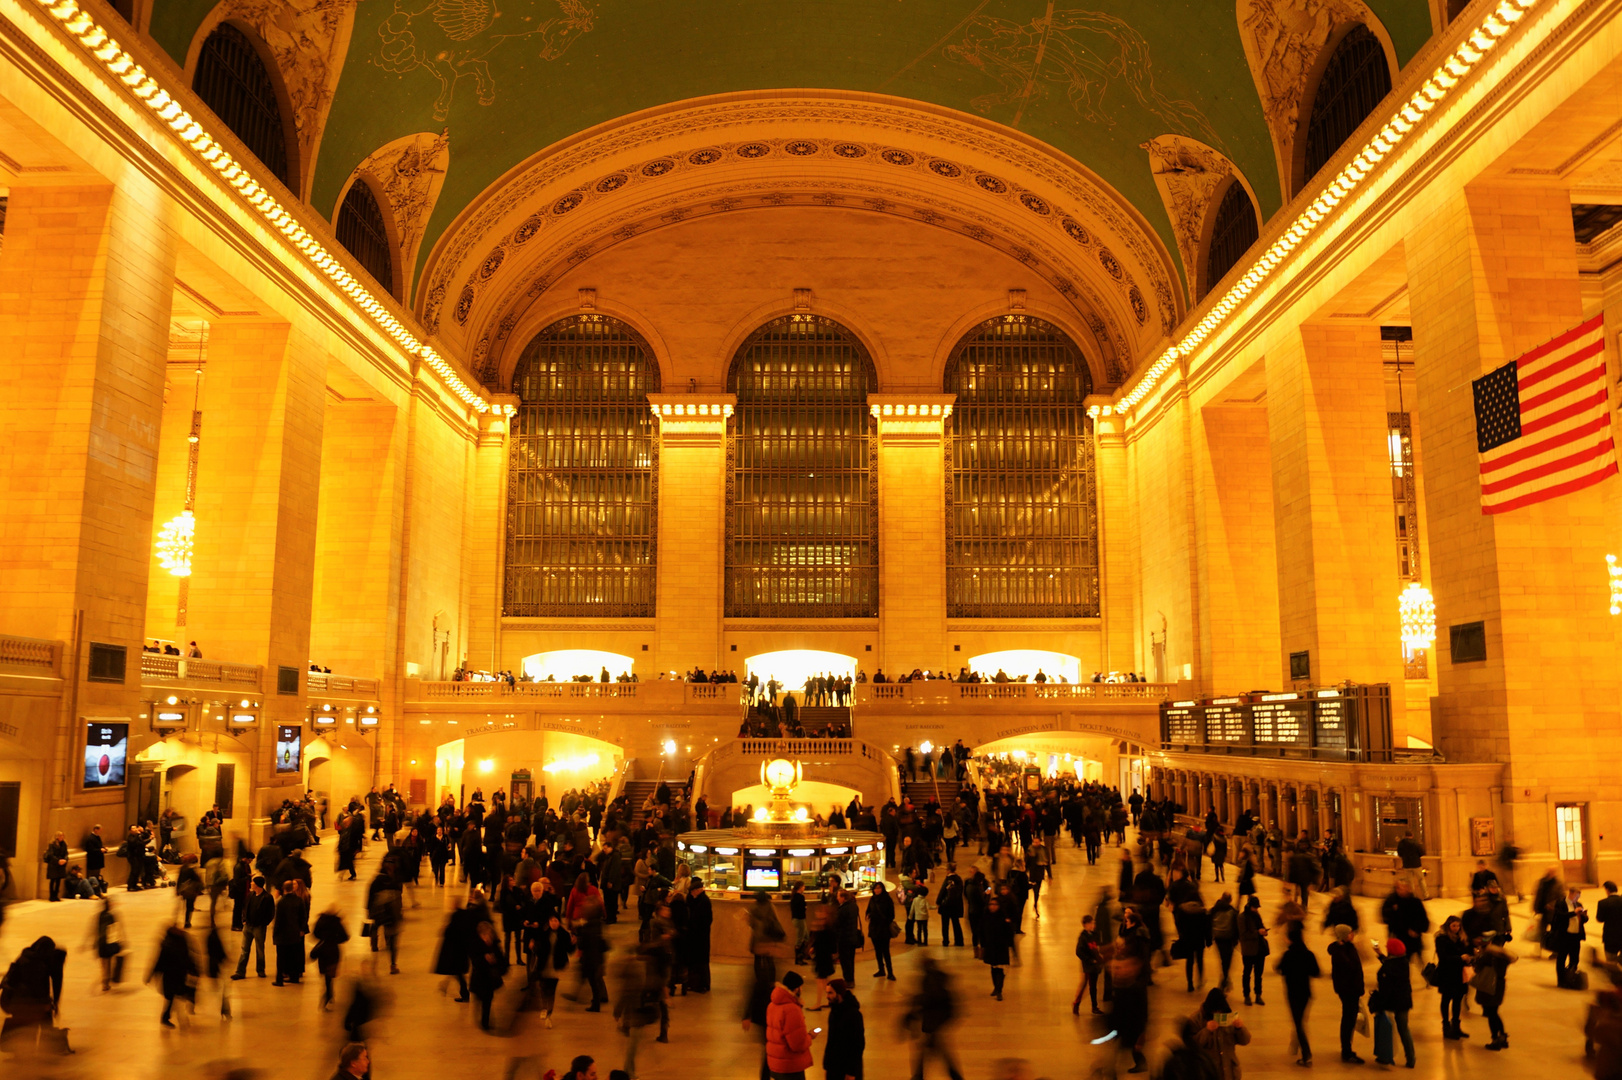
point(232, 80)
point(1232, 233)
point(1022, 524)
point(582, 504)
point(1356, 80)
point(363, 232)
point(125, 9)
point(802, 524)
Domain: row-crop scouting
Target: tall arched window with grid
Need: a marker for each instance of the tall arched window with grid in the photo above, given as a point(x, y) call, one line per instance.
point(802, 520)
point(363, 232)
point(233, 81)
point(582, 498)
point(1022, 519)
point(1356, 80)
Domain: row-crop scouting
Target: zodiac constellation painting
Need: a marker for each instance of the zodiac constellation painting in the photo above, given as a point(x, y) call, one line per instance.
point(450, 39)
point(1093, 58)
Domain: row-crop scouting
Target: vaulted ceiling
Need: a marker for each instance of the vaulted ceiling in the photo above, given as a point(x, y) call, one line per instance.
point(472, 94)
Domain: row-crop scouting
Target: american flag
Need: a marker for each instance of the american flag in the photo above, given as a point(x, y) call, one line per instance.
point(1543, 423)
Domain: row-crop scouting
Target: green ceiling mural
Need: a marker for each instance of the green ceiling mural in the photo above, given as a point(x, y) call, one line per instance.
point(512, 77)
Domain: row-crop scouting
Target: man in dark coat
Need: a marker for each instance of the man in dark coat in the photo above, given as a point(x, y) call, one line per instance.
point(56, 865)
point(848, 934)
point(288, 931)
point(847, 1034)
point(695, 942)
point(95, 855)
point(453, 949)
point(949, 902)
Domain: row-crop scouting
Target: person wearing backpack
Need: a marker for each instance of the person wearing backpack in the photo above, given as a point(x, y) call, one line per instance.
point(1225, 934)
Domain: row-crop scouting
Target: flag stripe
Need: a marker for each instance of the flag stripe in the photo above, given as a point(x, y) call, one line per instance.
point(1575, 408)
point(1599, 423)
point(1541, 494)
point(1559, 343)
point(1531, 405)
point(1548, 371)
point(1546, 422)
point(1548, 468)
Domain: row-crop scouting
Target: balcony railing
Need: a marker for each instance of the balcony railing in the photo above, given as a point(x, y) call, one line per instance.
point(330, 685)
point(162, 669)
point(800, 749)
point(30, 656)
point(938, 691)
point(659, 692)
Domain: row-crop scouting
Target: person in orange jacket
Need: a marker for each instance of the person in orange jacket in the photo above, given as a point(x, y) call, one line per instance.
point(788, 1043)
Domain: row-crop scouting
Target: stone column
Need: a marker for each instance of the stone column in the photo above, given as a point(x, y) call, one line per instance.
point(1492, 274)
point(1238, 577)
point(1337, 561)
point(912, 529)
point(86, 283)
point(485, 537)
point(1118, 546)
point(692, 527)
point(258, 489)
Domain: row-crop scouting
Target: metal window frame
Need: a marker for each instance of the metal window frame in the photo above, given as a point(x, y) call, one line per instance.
point(1049, 429)
point(802, 517)
point(1356, 79)
point(233, 80)
point(590, 432)
point(1234, 229)
point(364, 233)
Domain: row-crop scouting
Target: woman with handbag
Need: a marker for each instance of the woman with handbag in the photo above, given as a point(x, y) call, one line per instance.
point(1396, 999)
point(1346, 976)
point(1491, 961)
point(995, 944)
point(1452, 954)
point(1253, 948)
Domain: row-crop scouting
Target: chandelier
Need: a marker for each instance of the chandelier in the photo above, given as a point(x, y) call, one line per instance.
point(174, 543)
point(1417, 610)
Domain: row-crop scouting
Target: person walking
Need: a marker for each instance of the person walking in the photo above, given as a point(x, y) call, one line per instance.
point(847, 1034)
point(176, 970)
point(996, 944)
point(881, 928)
point(1089, 952)
point(848, 934)
point(1394, 994)
point(1253, 948)
point(1346, 976)
point(109, 945)
point(949, 904)
point(1299, 966)
point(487, 962)
point(1490, 962)
point(330, 936)
point(1225, 935)
point(258, 912)
point(1452, 952)
point(930, 1015)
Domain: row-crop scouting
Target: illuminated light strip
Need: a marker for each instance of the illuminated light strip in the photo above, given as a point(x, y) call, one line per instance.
point(143, 88)
point(1447, 75)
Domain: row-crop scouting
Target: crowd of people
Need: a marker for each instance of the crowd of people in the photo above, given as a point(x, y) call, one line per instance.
point(536, 887)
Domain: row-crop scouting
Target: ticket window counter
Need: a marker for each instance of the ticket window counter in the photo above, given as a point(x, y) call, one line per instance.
point(1395, 816)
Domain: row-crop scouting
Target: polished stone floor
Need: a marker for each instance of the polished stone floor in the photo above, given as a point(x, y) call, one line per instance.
point(282, 1032)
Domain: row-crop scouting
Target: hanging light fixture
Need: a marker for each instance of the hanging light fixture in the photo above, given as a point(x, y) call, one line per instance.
point(1417, 610)
point(175, 544)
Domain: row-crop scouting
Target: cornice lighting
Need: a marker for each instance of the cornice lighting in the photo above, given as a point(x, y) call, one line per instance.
point(703, 409)
point(1436, 89)
point(1614, 572)
point(145, 89)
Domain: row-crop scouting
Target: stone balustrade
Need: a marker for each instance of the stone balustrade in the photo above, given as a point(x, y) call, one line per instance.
point(324, 683)
point(158, 669)
point(30, 656)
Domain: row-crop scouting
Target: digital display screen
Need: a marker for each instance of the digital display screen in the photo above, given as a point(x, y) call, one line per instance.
point(762, 873)
point(324, 720)
point(289, 747)
point(105, 747)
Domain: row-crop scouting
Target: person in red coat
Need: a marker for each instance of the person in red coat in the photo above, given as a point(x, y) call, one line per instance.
point(788, 1043)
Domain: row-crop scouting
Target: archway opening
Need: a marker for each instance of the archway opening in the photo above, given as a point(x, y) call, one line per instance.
point(1017, 663)
point(792, 667)
point(521, 763)
point(564, 665)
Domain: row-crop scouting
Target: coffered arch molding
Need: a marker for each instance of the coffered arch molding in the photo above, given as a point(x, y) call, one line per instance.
point(772, 148)
point(542, 315)
point(1076, 331)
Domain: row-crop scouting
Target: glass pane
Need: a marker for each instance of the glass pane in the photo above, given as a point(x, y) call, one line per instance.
point(582, 500)
point(1022, 521)
point(802, 533)
point(1568, 822)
